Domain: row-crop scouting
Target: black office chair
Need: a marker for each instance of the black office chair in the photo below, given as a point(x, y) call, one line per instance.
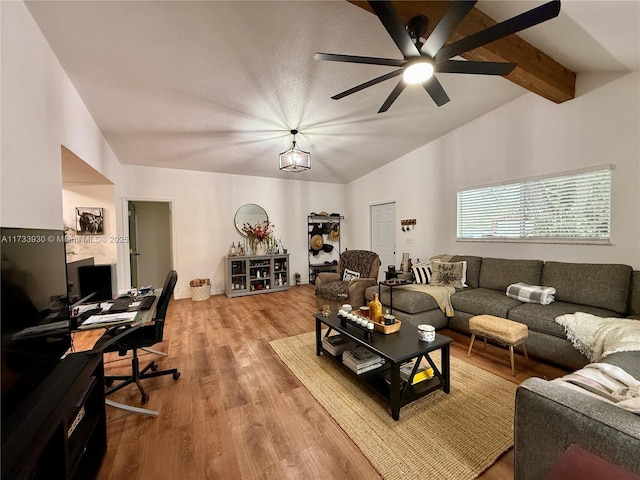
point(143, 337)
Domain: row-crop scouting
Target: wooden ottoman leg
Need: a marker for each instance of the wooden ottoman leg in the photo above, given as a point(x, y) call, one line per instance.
point(513, 370)
point(473, 337)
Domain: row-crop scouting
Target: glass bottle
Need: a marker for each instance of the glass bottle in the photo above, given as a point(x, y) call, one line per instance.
point(375, 309)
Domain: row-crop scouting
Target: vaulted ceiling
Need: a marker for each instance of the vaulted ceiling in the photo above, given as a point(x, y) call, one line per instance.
point(216, 86)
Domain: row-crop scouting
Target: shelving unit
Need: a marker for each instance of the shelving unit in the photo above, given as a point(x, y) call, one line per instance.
point(323, 261)
point(254, 274)
point(60, 430)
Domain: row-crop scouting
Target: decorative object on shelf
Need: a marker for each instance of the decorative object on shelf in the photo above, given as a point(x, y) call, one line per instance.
point(89, 221)
point(260, 248)
point(406, 261)
point(407, 224)
point(257, 234)
point(375, 309)
point(317, 243)
point(233, 251)
point(334, 234)
point(295, 159)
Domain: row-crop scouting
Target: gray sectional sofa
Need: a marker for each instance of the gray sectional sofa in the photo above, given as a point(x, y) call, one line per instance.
point(606, 290)
point(548, 417)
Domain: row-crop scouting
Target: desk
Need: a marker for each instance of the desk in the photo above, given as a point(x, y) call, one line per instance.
point(120, 330)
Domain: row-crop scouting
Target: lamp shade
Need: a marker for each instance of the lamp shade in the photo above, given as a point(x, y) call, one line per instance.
point(295, 159)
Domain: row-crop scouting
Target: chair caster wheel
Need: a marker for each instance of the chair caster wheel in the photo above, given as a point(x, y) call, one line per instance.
point(108, 382)
point(145, 398)
point(176, 375)
point(154, 367)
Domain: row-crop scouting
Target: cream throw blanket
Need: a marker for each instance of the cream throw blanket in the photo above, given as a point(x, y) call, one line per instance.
point(606, 382)
point(441, 294)
point(597, 337)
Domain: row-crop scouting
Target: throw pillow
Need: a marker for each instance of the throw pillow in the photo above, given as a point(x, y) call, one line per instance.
point(447, 274)
point(349, 275)
point(464, 271)
point(422, 272)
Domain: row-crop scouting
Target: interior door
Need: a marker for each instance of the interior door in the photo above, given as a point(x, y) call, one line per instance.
point(383, 238)
point(133, 244)
point(152, 254)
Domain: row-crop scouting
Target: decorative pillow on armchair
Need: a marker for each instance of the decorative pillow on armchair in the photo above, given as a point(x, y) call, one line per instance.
point(350, 275)
point(447, 274)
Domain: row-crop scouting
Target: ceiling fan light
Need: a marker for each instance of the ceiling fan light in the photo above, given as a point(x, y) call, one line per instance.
point(418, 72)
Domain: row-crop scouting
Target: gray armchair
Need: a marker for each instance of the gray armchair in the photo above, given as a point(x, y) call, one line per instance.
point(332, 290)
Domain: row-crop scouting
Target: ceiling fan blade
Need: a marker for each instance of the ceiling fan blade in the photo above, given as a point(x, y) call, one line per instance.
point(479, 68)
point(392, 96)
point(395, 28)
point(513, 25)
point(451, 19)
point(334, 57)
point(364, 85)
point(436, 91)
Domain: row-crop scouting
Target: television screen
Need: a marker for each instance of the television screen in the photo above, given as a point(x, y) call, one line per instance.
point(34, 315)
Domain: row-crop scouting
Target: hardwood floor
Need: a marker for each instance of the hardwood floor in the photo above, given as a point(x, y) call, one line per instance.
point(237, 412)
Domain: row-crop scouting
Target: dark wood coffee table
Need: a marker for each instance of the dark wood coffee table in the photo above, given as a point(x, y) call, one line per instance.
point(396, 348)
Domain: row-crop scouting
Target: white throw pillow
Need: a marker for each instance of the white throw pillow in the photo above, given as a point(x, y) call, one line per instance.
point(349, 275)
point(422, 272)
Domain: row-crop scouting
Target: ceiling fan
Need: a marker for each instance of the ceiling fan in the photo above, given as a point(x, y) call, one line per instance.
point(423, 58)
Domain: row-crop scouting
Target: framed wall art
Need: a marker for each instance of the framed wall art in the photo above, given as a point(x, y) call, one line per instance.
point(89, 221)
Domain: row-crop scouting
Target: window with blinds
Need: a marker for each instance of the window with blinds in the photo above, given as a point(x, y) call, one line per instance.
point(570, 208)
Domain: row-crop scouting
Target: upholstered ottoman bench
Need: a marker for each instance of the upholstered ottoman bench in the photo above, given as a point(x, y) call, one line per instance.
point(500, 330)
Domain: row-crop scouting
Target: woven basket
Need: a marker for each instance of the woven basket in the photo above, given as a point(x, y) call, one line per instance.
point(201, 293)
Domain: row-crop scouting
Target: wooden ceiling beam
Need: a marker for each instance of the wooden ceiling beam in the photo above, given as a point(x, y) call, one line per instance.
point(536, 71)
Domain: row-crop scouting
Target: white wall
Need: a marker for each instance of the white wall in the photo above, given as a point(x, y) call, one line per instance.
point(528, 137)
point(204, 205)
point(41, 110)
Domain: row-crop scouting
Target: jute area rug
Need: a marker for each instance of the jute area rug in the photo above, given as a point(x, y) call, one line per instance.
point(455, 436)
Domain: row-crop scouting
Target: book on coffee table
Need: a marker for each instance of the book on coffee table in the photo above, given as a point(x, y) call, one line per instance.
point(336, 344)
point(361, 360)
point(424, 372)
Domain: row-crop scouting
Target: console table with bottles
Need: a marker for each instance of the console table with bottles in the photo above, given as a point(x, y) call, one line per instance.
point(256, 274)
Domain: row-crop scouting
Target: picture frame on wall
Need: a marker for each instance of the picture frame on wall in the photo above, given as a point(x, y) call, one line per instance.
point(89, 221)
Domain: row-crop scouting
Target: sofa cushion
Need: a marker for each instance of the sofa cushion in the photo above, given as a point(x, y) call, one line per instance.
point(597, 285)
point(628, 361)
point(473, 268)
point(541, 318)
point(479, 301)
point(409, 301)
point(499, 273)
point(634, 295)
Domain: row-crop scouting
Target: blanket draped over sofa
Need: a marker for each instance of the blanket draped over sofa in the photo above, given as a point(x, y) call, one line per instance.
point(440, 293)
point(598, 337)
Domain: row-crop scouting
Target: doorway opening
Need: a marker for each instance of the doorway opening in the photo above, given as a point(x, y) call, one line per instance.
point(150, 242)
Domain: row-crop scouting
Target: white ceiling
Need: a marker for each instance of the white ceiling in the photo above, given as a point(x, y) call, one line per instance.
point(216, 86)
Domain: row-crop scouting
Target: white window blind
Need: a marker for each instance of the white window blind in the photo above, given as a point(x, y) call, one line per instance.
point(568, 208)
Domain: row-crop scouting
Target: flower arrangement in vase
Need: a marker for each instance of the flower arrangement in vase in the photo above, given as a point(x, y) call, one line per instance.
point(258, 234)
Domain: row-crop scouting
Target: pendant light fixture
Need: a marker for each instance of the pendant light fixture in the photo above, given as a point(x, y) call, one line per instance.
point(295, 159)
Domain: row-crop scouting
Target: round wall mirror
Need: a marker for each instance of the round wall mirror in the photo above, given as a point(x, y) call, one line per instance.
point(251, 214)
